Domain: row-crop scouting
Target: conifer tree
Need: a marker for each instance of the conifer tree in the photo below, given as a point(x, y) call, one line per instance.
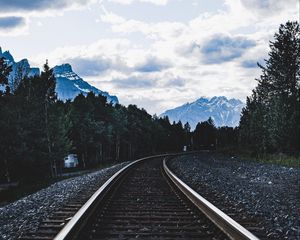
point(4, 71)
point(270, 120)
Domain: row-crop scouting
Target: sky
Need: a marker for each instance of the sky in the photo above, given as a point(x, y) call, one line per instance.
point(157, 54)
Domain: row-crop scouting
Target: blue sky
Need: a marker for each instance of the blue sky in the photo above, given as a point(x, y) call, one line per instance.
point(154, 53)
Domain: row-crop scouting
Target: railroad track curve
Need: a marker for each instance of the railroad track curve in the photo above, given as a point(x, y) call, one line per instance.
point(146, 200)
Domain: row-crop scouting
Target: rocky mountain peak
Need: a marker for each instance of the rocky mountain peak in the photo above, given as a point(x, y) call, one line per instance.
point(68, 83)
point(63, 68)
point(8, 56)
point(224, 112)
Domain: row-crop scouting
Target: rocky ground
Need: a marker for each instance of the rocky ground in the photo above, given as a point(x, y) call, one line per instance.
point(266, 192)
point(25, 214)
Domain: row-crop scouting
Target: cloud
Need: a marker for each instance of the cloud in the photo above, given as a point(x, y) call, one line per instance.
point(158, 63)
point(175, 82)
point(253, 63)
point(152, 64)
point(221, 49)
point(90, 66)
point(268, 7)
point(154, 31)
point(38, 5)
point(96, 65)
point(249, 64)
point(192, 48)
point(16, 14)
point(7, 23)
point(110, 17)
point(127, 2)
point(134, 82)
point(105, 51)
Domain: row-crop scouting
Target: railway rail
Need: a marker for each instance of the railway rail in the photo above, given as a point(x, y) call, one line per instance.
point(143, 200)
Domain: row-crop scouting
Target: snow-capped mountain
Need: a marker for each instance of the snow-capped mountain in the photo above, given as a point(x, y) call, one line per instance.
point(69, 84)
point(19, 70)
point(224, 112)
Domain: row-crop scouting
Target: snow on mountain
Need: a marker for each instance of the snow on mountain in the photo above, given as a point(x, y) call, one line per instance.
point(20, 70)
point(224, 112)
point(69, 84)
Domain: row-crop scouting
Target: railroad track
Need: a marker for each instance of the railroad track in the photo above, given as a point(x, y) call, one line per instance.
point(144, 200)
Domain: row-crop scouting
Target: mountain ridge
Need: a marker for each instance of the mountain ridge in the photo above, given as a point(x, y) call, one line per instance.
point(224, 112)
point(19, 70)
point(68, 83)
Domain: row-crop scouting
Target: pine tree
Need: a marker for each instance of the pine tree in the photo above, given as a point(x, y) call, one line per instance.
point(59, 125)
point(4, 71)
point(204, 136)
point(270, 120)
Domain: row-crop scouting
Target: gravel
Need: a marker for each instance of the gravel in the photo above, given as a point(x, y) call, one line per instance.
point(254, 190)
point(25, 214)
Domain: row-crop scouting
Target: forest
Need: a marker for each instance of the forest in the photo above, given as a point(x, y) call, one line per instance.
point(37, 130)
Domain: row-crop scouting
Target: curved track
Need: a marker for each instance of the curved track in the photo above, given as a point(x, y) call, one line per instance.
point(146, 206)
point(145, 200)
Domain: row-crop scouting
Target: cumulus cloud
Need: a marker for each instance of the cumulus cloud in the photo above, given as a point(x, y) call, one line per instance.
point(16, 14)
point(159, 64)
point(152, 64)
point(175, 82)
point(127, 2)
point(229, 42)
point(90, 66)
point(97, 65)
point(110, 17)
point(105, 51)
point(39, 5)
point(192, 48)
point(135, 82)
point(7, 23)
point(268, 7)
point(220, 49)
point(163, 30)
point(249, 64)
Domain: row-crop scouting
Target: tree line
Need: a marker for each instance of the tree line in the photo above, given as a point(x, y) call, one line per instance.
point(270, 122)
point(37, 130)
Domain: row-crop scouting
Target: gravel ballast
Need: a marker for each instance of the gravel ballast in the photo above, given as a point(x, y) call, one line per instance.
point(25, 214)
point(254, 190)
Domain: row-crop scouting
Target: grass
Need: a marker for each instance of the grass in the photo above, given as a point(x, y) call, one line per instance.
point(276, 158)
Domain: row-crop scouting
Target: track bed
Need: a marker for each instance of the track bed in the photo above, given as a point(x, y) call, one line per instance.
point(146, 205)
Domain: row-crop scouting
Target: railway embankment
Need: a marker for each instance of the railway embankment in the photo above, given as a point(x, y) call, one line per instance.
point(244, 189)
point(26, 214)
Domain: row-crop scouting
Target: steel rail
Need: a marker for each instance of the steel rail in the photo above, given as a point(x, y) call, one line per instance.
point(74, 224)
point(230, 227)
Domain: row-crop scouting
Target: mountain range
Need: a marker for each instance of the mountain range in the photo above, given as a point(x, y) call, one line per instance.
point(223, 111)
point(68, 83)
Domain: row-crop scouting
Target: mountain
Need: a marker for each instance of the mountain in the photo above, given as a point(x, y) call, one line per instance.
point(19, 70)
point(69, 84)
point(224, 112)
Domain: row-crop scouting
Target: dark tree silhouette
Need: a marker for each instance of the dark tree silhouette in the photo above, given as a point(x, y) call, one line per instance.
point(270, 121)
point(204, 136)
